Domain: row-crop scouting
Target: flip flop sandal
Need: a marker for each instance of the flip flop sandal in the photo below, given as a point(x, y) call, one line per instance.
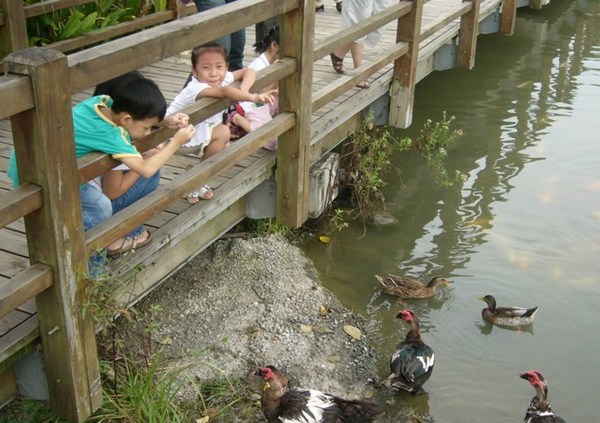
point(204, 193)
point(337, 63)
point(130, 243)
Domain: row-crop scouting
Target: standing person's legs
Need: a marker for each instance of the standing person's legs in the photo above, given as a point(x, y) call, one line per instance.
point(237, 43)
point(95, 207)
point(141, 188)
point(204, 5)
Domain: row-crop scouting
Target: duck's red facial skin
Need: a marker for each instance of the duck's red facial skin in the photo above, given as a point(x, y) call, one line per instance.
point(535, 378)
point(406, 315)
point(266, 373)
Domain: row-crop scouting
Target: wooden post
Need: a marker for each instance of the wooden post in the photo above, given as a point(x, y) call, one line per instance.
point(508, 18)
point(536, 4)
point(402, 91)
point(178, 7)
point(13, 34)
point(45, 149)
point(297, 41)
point(467, 36)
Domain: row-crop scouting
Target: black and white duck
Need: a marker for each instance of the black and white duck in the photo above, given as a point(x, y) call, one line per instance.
point(412, 363)
point(539, 410)
point(405, 287)
point(283, 405)
point(506, 316)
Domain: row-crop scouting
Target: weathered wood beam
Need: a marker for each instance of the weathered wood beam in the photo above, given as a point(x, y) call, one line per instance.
point(55, 232)
point(13, 34)
point(467, 36)
point(347, 36)
point(18, 89)
point(144, 209)
point(508, 17)
point(50, 6)
point(404, 77)
point(23, 287)
point(135, 51)
point(297, 41)
point(342, 84)
point(19, 202)
point(442, 21)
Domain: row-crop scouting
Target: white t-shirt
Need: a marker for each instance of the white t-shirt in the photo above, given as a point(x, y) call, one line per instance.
point(259, 63)
point(187, 97)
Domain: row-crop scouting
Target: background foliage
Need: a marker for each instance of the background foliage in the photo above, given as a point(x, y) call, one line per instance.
point(75, 21)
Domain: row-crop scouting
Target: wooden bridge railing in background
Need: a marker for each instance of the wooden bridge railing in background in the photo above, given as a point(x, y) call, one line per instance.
point(42, 80)
point(14, 15)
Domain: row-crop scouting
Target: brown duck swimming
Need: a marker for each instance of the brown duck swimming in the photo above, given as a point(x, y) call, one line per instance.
point(404, 287)
point(506, 316)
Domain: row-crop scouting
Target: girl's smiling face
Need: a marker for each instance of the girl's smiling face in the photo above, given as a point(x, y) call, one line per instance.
point(210, 68)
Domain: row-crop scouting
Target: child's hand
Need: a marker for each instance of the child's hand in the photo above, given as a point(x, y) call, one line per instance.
point(266, 97)
point(178, 120)
point(184, 135)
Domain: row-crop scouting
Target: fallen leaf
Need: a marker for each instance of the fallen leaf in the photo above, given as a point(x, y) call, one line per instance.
point(166, 341)
point(334, 359)
point(324, 310)
point(352, 331)
point(202, 419)
point(305, 328)
point(324, 239)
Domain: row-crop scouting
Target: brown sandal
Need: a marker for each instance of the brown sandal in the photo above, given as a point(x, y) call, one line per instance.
point(338, 64)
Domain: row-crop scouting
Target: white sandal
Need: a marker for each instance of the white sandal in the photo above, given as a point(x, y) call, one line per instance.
point(204, 193)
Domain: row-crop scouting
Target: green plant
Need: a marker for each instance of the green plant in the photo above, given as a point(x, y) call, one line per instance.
point(141, 392)
point(432, 144)
point(268, 226)
point(79, 20)
point(365, 160)
point(28, 411)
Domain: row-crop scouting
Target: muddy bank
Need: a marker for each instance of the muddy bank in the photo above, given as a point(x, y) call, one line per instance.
point(245, 303)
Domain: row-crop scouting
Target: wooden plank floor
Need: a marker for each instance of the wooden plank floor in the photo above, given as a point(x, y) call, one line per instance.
point(170, 74)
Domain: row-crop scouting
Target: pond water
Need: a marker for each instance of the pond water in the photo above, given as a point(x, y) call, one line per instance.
point(525, 226)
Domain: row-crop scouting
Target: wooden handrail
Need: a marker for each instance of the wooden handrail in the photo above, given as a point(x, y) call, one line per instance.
point(50, 6)
point(152, 204)
point(442, 21)
point(24, 286)
point(345, 37)
point(18, 90)
point(114, 31)
point(344, 83)
point(152, 45)
point(96, 164)
point(19, 202)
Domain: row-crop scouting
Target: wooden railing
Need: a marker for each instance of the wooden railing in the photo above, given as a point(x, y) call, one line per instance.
point(41, 82)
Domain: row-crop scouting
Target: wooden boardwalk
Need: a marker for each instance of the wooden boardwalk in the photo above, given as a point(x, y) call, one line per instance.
point(182, 231)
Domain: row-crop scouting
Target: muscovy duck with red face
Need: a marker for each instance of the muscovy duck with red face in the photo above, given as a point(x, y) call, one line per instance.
point(412, 363)
point(283, 405)
point(539, 410)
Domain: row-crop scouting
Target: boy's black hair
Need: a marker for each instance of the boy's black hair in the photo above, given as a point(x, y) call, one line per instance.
point(114, 85)
point(141, 98)
point(208, 47)
point(272, 36)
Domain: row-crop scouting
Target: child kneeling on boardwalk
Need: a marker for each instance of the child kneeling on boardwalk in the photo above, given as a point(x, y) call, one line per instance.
point(108, 125)
point(250, 116)
point(210, 78)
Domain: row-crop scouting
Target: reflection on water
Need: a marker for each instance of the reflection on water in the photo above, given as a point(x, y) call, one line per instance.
point(524, 226)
